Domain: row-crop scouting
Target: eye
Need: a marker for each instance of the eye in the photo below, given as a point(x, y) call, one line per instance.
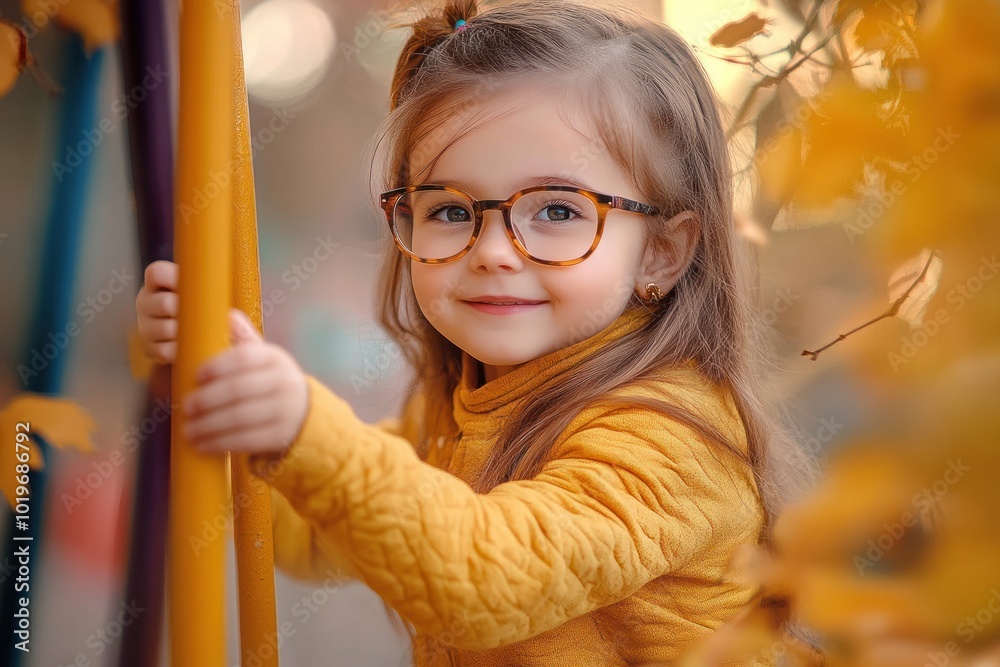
point(453, 213)
point(559, 211)
point(555, 213)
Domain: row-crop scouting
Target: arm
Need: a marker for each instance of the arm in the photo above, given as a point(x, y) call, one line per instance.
point(300, 550)
point(610, 512)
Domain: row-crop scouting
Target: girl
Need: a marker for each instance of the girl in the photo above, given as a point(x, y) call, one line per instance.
point(584, 445)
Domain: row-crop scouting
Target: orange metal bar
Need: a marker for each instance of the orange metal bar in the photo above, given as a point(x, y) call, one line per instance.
point(252, 499)
point(202, 248)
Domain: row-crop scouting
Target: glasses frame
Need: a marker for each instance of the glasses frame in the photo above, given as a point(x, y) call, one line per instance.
point(602, 202)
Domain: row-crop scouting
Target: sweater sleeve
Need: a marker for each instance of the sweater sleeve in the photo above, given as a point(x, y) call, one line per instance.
point(300, 550)
point(627, 498)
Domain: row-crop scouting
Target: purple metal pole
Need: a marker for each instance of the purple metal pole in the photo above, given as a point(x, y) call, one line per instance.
point(145, 70)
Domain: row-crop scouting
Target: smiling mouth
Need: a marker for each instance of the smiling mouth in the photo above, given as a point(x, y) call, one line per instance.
point(509, 303)
point(505, 302)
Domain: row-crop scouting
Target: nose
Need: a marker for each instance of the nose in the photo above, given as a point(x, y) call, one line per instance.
point(493, 249)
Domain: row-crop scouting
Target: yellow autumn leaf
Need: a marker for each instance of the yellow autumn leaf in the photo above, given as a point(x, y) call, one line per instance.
point(886, 26)
point(917, 279)
point(846, 130)
point(95, 20)
point(139, 363)
point(62, 423)
point(899, 538)
point(737, 32)
point(779, 163)
point(12, 53)
point(952, 159)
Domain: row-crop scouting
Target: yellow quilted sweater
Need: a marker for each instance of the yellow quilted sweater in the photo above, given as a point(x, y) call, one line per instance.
point(612, 555)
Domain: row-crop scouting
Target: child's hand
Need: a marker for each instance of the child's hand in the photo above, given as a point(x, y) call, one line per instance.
point(156, 312)
point(251, 398)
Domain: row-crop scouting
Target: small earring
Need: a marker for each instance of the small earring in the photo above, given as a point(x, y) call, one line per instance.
point(653, 293)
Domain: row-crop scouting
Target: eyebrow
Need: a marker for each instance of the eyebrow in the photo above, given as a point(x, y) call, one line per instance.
point(532, 182)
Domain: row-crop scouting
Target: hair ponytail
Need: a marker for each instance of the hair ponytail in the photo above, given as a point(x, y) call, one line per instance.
point(428, 32)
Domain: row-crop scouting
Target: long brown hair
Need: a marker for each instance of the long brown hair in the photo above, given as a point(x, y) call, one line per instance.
point(659, 119)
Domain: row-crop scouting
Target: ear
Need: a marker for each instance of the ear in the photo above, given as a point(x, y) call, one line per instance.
point(665, 262)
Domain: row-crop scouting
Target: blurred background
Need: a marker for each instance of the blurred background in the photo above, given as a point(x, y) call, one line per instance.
point(866, 150)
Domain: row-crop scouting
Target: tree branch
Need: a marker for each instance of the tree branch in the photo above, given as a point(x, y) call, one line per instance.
point(893, 309)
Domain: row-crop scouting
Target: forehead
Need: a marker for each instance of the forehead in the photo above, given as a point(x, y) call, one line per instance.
point(492, 147)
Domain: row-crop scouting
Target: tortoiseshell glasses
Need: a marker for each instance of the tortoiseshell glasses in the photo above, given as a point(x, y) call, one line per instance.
point(551, 224)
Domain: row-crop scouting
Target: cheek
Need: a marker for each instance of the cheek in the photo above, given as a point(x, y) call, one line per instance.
point(430, 287)
point(611, 270)
point(594, 287)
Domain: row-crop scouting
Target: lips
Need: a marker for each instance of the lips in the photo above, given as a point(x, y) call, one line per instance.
point(504, 300)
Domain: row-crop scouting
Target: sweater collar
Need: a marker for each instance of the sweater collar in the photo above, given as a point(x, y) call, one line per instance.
point(506, 390)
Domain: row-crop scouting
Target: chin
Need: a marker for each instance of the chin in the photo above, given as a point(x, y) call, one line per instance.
point(493, 357)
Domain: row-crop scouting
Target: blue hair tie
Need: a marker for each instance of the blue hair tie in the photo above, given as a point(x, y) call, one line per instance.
point(459, 25)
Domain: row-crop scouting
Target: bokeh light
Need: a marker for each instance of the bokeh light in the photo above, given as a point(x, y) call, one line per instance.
point(287, 47)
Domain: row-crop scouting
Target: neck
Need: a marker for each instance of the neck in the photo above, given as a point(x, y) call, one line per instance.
point(490, 373)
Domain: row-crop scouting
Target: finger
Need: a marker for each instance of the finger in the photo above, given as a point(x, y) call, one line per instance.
point(251, 440)
point(241, 329)
point(162, 304)
point(233, 417)
point(162, 274)
point(235, 361)
point(162, 353)
point(158, 330)
point(253, 382)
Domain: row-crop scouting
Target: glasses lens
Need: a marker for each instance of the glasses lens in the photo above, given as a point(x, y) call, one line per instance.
point(433, 224)
point(554, 225)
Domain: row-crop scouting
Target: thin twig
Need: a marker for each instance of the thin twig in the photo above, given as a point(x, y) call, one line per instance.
point(729, 59)
point(794, 66)
point(794, 48)
point(893, 309)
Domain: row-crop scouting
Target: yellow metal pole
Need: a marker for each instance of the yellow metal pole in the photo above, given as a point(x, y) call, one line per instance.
point(202, 248)
point(252, 499)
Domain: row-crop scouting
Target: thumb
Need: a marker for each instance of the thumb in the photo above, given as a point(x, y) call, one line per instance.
point(241, 329)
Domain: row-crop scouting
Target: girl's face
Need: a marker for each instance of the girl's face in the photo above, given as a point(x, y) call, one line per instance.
point(509, 153)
